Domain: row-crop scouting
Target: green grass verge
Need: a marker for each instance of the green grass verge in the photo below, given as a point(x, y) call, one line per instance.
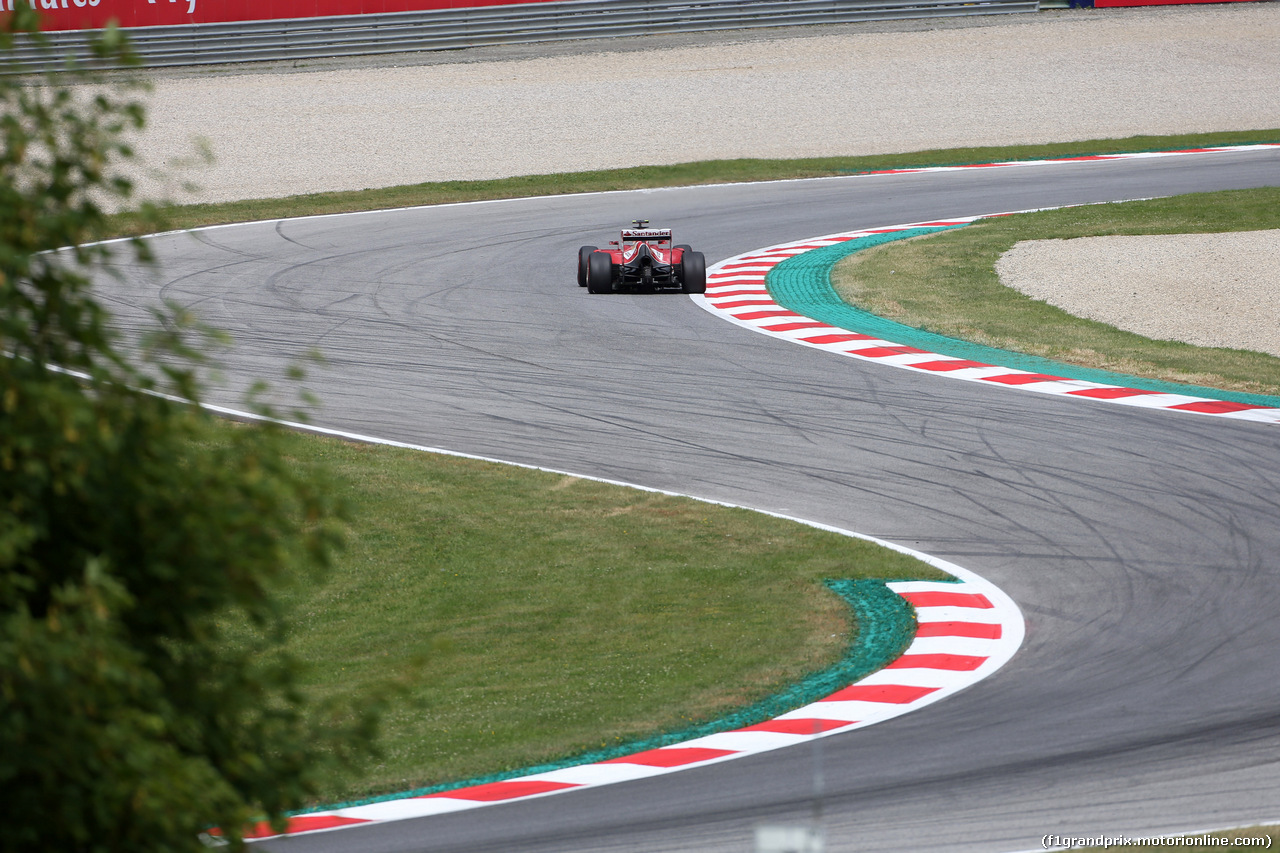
point(1254, 838)
point(946, 284)
point(642, 177)
point(525, 616)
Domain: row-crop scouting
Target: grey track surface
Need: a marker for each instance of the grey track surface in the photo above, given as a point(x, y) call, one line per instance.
point(1142, 546)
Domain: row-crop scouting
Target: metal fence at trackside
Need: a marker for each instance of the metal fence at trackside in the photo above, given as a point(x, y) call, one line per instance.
point(367, 35)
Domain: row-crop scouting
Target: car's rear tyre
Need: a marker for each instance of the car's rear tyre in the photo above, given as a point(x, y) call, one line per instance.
point(599, 273)
point(684, 246)
point(583, 255)
point(693, 272)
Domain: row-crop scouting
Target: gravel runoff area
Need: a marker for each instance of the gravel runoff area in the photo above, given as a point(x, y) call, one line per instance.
point(1215, 290)
point(277, 130)
point(844, 90)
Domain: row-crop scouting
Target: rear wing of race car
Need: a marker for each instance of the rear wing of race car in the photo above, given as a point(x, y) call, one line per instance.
point(631, 235)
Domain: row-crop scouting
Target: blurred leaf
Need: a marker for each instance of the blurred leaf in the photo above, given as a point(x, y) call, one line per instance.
point(129, 535)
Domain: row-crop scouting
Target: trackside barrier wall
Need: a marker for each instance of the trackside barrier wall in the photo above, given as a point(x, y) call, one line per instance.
point(321, 34)
point(90, 14)
point(1110, 3)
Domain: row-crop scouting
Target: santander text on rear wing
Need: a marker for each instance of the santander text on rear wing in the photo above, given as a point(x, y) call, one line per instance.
point(631, 235)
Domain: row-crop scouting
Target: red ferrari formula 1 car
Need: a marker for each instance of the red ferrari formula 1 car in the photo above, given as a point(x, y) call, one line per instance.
point(643, 259)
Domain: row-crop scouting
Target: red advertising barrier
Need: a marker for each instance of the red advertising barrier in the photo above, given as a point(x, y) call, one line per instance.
point(94, 14)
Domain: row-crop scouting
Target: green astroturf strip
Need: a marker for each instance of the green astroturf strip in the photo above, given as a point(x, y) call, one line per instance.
point(803, 284)
point(886, 625)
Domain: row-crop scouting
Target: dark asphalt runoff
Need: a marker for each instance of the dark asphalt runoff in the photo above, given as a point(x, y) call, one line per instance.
point(1142, 546)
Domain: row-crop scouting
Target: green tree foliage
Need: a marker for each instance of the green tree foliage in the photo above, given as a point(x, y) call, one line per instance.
point(144, 693)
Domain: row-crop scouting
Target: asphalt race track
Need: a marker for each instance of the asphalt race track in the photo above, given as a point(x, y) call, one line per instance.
point(1142, 546)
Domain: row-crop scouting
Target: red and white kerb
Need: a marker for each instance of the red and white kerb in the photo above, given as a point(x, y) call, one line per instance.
point(736, 292)
point(967, 630)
